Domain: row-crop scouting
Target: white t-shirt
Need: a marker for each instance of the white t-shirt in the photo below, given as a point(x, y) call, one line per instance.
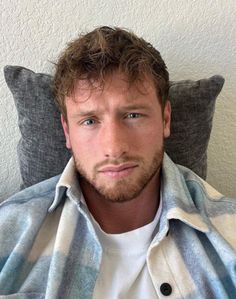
point(123, 272)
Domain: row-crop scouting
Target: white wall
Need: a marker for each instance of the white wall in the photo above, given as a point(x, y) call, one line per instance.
point(197, 38)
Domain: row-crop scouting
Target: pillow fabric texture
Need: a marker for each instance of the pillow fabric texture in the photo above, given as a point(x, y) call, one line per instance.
point(193, 106)
point(42, 152)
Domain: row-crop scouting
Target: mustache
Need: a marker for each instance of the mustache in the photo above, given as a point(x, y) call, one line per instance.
point(117, 161)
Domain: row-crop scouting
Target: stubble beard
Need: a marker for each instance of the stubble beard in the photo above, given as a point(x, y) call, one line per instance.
point(124, 189)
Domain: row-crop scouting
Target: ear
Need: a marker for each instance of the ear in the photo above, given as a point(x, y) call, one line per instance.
point(66, 131)
point(167, 119)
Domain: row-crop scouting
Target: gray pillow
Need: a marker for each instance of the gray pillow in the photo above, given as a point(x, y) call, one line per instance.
point(193, 106)
point(42, 152)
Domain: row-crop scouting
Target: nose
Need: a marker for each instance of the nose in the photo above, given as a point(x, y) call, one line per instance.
point(114, 140)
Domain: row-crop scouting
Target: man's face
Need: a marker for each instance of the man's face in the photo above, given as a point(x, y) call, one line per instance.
point(116, 136)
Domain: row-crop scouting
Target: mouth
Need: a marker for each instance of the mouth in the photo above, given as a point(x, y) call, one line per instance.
point(118, 171)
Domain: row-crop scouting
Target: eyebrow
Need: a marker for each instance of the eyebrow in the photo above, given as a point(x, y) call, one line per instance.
point(84, 113)
point(124, 108)
point(135, 107)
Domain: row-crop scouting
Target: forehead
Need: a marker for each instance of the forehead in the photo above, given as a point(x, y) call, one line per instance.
point(116, 82)
point(116, 93)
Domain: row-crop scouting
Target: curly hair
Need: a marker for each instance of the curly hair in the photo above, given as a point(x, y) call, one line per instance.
point(95, 55)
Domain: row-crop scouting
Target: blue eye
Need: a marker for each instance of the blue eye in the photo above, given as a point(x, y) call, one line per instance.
point(89, 122)
point(133, 115)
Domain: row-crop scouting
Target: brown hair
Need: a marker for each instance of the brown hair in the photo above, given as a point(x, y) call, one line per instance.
point(97, 54)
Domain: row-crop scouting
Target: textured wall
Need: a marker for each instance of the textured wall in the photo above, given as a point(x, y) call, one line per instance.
point(196, 38)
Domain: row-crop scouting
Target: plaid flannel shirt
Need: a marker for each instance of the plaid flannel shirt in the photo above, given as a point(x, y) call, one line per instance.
point(49, 248)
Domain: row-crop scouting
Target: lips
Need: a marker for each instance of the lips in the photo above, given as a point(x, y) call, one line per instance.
point(118, 171)
point(117, 168)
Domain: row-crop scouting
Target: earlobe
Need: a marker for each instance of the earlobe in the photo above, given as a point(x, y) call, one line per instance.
point(167, 119)
point(66, 131)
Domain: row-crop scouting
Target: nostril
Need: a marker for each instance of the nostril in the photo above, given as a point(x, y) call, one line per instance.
point(115, 154)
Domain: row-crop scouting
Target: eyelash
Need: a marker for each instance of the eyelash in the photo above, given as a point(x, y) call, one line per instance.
point(88, 120)
point(94, 121)
point(138, 115)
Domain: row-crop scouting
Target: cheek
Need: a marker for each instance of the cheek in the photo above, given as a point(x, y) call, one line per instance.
point(153, 135)
point(79, 140)
point(85, 149)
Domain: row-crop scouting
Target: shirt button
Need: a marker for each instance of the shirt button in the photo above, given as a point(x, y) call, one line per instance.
point(166, 289)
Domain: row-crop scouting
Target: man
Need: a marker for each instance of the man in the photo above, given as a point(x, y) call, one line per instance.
point(122, 221)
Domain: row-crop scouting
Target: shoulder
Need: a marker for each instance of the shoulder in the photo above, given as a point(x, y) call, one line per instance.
point(217, 210)
point(21, 218)
point(30, 201)
point(201, 189)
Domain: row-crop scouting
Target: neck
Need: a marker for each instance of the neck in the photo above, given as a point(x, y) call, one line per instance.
point(120, 217)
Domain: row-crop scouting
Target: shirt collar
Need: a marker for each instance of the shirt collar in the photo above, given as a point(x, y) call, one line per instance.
point(177, 200)
point(67, 184)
